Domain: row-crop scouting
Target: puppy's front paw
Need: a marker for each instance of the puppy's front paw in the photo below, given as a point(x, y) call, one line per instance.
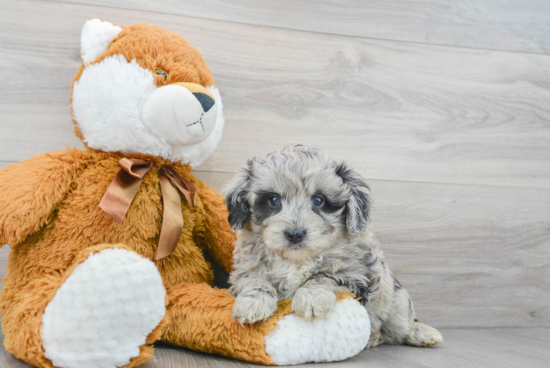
point(313, 302)
point(254, 308)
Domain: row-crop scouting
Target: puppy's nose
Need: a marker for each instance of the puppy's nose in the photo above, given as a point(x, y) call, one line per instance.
point(295, 235)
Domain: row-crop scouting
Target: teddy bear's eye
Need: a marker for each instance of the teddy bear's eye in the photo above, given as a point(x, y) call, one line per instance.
point(162, 72)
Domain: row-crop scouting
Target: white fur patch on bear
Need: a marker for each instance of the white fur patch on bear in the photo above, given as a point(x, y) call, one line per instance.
point(107, 101)
point(339, 335)
point(95, 39)
point(104, 311)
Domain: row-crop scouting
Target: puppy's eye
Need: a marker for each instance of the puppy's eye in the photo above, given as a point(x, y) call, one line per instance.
point(162, 73)
point(274, 201)
point(317, 201)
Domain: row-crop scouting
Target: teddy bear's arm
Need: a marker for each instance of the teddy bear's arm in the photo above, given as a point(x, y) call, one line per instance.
point(215, 234)
point(30, 191)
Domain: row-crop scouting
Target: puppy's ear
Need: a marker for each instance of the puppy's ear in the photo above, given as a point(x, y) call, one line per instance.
point(358, 206)
point(236, 192)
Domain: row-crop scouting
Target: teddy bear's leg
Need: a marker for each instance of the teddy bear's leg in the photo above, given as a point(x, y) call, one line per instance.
point(104, 311)
point(199, 318)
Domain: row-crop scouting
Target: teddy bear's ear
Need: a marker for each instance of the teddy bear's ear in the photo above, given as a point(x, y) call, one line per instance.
point(95, 39)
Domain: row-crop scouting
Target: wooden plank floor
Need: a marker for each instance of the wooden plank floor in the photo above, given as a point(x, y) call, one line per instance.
point(441, 105)
point(489, 24)
point(397, 111)
point(472, 348)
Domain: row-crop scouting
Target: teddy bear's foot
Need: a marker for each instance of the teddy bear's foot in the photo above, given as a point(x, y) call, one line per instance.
point(339, 335)
point(283, 339)
point(103, 313)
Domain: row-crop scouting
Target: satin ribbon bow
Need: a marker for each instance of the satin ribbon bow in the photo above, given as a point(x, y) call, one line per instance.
point(121, 192)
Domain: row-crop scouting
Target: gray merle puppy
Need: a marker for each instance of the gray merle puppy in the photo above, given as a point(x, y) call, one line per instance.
point(302, 218)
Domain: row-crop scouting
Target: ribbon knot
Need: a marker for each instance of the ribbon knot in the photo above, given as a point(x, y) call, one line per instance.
point(121, 192)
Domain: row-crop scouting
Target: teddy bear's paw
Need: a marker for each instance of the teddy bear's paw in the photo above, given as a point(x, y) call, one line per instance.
point(104, 311)
point(340, 334)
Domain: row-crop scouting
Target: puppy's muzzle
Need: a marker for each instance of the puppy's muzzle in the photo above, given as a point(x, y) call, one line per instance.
point(295, 236)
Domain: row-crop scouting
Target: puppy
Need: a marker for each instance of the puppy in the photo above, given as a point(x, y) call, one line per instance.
point(302, 218)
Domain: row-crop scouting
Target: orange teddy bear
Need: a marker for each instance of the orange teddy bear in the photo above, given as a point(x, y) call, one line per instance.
point(107, 243)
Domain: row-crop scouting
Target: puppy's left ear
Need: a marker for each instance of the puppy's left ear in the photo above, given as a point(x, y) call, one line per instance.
point(236, 192)
point(358, 206)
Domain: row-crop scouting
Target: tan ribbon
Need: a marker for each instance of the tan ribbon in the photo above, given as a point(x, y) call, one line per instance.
point(125, 185)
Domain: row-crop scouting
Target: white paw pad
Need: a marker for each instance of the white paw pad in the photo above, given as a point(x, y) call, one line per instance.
point(104, 311)
point(339, 335)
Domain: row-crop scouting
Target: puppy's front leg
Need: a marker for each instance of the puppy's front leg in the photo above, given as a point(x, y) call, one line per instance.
point(256, 300)
point(315, 298)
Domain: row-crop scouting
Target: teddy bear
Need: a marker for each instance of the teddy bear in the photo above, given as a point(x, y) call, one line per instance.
point(108, 243)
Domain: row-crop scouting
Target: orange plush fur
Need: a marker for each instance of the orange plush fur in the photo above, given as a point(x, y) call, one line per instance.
point(49, 214)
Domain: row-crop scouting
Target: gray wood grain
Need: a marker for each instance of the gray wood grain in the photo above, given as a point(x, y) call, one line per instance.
point(489, 24)
point(475, 348)
point(396, 111)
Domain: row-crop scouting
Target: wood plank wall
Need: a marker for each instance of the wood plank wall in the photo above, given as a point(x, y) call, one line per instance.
point(444, 106)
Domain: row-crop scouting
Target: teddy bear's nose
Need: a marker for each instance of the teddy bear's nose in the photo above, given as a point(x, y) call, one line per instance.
point(206, 101)
point(201, 94)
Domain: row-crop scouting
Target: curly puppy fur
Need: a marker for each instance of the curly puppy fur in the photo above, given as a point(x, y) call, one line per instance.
point(302, 218)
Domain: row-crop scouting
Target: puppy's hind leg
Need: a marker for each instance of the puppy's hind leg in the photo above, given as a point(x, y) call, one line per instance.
point(423, 335)
point(403, 327)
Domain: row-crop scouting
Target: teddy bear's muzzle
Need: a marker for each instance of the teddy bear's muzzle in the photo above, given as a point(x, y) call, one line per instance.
point(180, 113)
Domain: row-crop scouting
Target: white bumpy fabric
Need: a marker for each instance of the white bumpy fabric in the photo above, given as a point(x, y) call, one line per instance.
point(339, 335)
point(104, 311)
